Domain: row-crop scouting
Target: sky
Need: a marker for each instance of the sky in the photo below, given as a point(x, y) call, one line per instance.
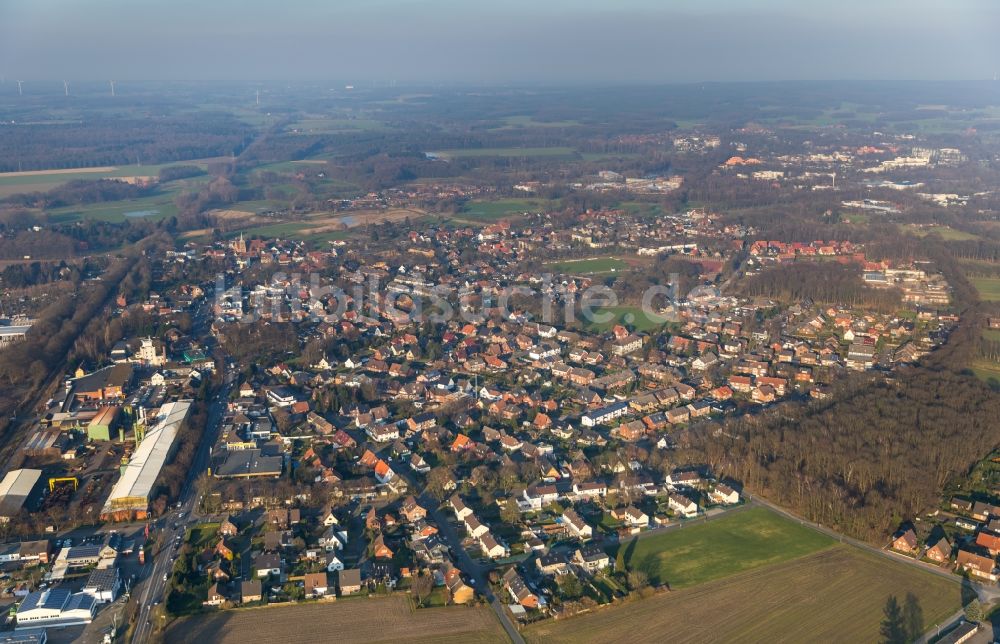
point(500, 41)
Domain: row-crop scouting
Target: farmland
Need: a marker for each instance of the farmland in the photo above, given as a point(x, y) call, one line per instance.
point(734, 543)
point(325, 226)
point(462, 153)
point(835, 595)
point(332, 125)
point(359, 619)
point(988, 287)
point(525, 120)
point(41, 180)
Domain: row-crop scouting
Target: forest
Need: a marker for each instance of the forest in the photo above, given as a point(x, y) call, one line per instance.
point(119, 141)
point(884, 447)
point(823, 282)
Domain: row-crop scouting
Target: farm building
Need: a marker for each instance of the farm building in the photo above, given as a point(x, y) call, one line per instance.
point(15, 489)
point(130, 496)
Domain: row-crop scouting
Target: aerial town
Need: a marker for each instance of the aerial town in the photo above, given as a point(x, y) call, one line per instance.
point(372, 363)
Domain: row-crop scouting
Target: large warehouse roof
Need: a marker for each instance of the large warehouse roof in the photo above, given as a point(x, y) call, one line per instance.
point(136, 483)
point(15, 489)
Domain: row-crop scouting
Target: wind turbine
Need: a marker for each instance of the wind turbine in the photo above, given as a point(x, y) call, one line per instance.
point(258, 98)
point(112, 87)
point(19, 92)
point(66, 88)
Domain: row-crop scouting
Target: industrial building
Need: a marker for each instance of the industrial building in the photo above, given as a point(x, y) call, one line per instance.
point(15, 489)
point(26, 636)
point(103, 424)
point(103, 585)
point(130, 495)
point(247, 463)
point(11, 333)
point(55, 607)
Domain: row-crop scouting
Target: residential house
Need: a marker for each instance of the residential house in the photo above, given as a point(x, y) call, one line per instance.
point(725, 495)
point(592, 557)
point(251, 591)
point(977, 565)
point(333, 562)
point(940, 551)
point(349, 581)
point(905, 541)
point(989, 541)
point(412, 511)
point(315, 584)
point(575, 524)
point(458, 506)
point(458, 591)
point(682, 505)
point(474, 527)
point(518, 590)
point(267, 564)
point(491, 547)
point(214, 597)
point(379, 549)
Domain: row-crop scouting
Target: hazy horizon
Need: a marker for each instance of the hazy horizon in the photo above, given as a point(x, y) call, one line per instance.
point(553, 42)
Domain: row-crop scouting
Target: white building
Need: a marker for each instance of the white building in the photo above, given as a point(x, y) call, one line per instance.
point(147, 353)
point(55, 607)
point(15, 489)
point(682, 505)
point(103, 585)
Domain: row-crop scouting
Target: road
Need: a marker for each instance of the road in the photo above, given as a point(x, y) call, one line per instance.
point(477, 574)
point(151, 589)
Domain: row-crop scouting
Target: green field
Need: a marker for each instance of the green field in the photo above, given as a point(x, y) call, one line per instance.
point(463, 153)
point(524, 120)
point(988, 287)
point(641, 208)
point(947, 233)
point(986, 370)
point(494, 210)
point(736, 542)
point(154, 207)
point(992, 334)
point(302, 230)
point(589, 266)
point(333, 125)
point(604, 156)
point(835, 595)
point(628, 315)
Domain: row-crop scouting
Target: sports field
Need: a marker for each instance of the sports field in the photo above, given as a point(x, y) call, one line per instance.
point(494, 210)
point(589, 266)
point(630, 315)
point(358, 619)
point(835, 595)
point(733, 543)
